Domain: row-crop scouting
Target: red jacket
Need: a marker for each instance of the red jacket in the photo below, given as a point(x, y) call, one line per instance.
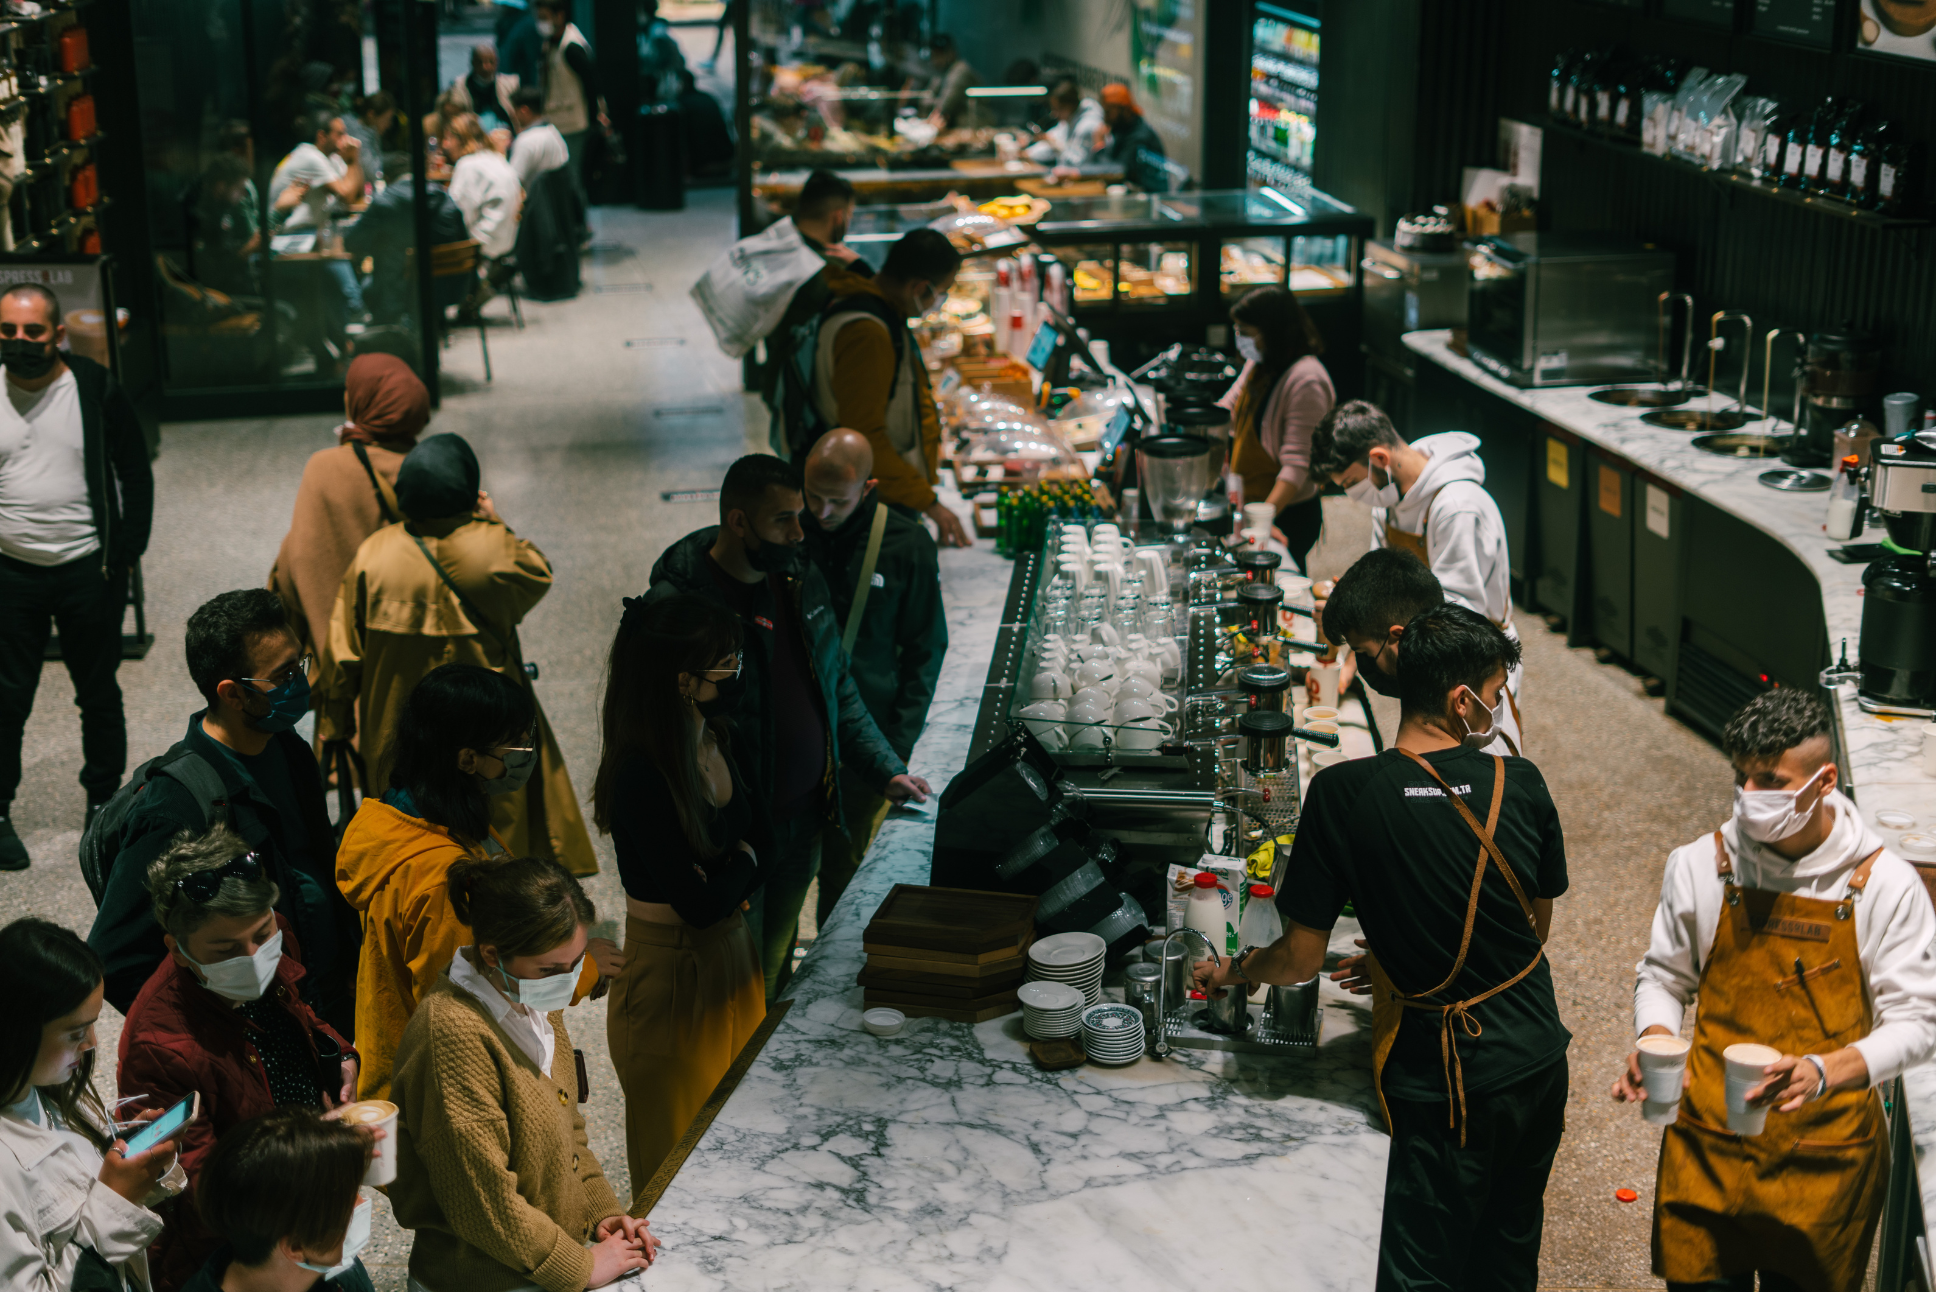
point(180, 1037)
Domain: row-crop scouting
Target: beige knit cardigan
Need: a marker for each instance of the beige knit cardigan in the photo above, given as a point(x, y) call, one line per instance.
point(494, 1172)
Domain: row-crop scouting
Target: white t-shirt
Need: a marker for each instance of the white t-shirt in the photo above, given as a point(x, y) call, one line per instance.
point(314, 167)
point(45, 518)
point(487, 191)
point(537, 149)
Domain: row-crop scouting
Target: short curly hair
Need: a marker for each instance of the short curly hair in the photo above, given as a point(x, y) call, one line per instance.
point(1774, 722)
point(181, 915)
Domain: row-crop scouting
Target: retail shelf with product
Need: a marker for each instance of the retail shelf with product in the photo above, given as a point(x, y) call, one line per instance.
point(1283, 96)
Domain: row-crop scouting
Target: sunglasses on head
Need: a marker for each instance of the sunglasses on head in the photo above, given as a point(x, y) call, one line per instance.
point(203, 885)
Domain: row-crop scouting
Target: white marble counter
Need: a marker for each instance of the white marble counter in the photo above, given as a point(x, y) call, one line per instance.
point(943, 1158)
point(1884, 754)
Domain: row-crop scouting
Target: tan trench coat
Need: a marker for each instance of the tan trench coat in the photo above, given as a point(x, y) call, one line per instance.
point(395, 621)
point(336, 509)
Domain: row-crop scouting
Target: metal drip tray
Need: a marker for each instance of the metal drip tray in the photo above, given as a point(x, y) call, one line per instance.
point(1789, 480)
point(1644, 396)
point(1745, 445)
point(1695, 419)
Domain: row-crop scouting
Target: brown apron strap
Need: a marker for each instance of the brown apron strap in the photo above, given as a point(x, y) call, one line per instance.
point(1723, 864)
point(1859, 880)
point(1484, 833)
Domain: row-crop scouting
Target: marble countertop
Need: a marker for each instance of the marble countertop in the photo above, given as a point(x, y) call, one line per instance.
point(943, 1158)
point(1885, 756)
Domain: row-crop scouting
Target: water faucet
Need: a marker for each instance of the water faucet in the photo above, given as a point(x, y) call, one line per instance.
point(1768, 373)
point(1162, 1048)
point(1716, 343)
point(1842, 671)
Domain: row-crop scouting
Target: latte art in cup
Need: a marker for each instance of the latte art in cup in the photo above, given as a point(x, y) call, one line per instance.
point(380, 1113)
point(366, 1112)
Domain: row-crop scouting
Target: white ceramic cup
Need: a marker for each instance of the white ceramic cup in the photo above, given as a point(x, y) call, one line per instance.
point(1083, 711)
point(1135, 709)
point(1087, 737)
point(382, 1114)
point(1106, 635)
point(1322, 758)
point(1259, 515)
point(1044, 720)
point(1096, 672)
point(1746, 1068)
point(1139, 686)
point(1147, 669)
point(1099, 698)
point(1156, 568)
point(1141, 734)
point(1663, 1067)
point(1110, 575)
point(1051, 684)
point(1316, 713)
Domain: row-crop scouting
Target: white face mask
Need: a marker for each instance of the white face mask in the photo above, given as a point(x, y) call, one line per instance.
point(1248, 347)
point(541, 995)
point(244, 977)
point(1372, 494)
point(1496, 714)
point(354, 1240)
point(1768, 815)
point(546, 30)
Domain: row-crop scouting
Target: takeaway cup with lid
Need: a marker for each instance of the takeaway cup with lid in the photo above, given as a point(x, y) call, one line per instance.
point(1746, 1068)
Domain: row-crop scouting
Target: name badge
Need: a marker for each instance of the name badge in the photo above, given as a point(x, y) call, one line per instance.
point(1806, 930)
point(763, 622)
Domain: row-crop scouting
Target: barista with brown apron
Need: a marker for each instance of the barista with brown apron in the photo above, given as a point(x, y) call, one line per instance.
point(1794, 928)
point(1452, 858)
point(1275, 406)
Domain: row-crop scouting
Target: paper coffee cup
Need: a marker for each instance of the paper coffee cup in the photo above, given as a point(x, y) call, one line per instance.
point(1746, 1068)
point(382, 1114)
point(1660, 1114)
point(1663, 1067)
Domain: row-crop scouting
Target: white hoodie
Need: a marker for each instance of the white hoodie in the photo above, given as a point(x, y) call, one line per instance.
point(1894, 926)
point(1465, 537)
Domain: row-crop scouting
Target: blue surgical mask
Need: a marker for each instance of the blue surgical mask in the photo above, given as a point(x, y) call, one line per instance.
point(287, 705)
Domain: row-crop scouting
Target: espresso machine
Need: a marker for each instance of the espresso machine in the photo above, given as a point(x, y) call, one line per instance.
point(1897, 672)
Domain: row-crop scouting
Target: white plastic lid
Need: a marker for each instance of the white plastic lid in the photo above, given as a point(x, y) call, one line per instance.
point(1917, 846)
point(1895, 819)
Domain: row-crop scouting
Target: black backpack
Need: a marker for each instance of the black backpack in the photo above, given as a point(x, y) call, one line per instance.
point(799, 412)
point(103, 841)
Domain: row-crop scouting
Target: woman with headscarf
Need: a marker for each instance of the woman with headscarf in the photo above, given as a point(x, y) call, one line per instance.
point(448, 586)
point(348, 492)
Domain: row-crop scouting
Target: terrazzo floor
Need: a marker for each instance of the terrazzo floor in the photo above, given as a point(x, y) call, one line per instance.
point(577, 436)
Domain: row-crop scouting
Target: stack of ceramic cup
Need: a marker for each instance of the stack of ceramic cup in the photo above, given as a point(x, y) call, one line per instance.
point(1072, 958)
point(1051, 1010)
point(1085, 691)
point(1113, 1034)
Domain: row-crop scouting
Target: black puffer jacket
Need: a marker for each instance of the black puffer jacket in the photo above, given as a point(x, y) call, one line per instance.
point(114, 454)
point(903, 635)
point(853, 737)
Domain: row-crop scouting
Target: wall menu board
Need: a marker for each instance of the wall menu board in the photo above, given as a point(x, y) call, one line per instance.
point(1711, 13)
point(1808, 22)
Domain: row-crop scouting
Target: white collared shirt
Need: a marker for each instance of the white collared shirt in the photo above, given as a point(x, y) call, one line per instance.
point(532, 1031)
point(52, 1205)
point(1894, 928)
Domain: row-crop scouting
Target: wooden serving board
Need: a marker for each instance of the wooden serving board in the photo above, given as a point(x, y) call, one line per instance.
point(967, 961)
point(935, 985)
point(1054, 1056)
point(957, 921)
point(916, 963)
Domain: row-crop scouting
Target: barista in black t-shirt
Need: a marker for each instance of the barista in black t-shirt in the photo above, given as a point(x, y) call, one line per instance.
point(1439, 847)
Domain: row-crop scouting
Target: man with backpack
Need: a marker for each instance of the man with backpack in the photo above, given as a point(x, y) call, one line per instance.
point(868, 373)
point(241, 762)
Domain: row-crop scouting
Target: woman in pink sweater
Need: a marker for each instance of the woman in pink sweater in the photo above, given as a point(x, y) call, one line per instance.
point(1283, 394)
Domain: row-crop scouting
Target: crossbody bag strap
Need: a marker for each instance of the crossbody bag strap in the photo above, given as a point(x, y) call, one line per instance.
point(508, 645)
point(866, 584)
point(386, 497)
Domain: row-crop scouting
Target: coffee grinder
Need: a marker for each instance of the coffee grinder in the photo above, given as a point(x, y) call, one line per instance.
point(1842, 370)
point(1898, 643)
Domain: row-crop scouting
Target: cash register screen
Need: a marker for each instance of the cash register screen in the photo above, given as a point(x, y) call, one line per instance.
point(1042, 347)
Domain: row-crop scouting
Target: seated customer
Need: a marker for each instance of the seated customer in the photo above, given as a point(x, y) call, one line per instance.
point(692, 990)
point(283, 1192)
point(499, 1183)
point(223, 1015)
point(538, 146)
point(71, 1201)
point(394, 857)
point(386, 233)
point(484, 186)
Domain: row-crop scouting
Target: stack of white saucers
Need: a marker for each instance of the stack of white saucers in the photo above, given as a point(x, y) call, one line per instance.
point(1074, 958)
point(1112, 1034)
point(1051, 1010)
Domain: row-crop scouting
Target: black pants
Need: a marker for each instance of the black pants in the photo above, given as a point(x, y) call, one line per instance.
point(1739, 1283)
point(1471, 1217)
point(86, 609)
point(1301, 523)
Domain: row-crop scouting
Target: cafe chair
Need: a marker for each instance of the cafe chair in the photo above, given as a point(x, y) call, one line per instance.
point(453, 273)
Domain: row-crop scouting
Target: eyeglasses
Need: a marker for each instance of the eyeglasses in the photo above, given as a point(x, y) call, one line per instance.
point(739, 662)
point(286, 676)
point(203, 885)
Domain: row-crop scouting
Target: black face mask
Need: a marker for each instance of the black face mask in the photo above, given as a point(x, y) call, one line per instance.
point(775, 558)
point(28, 359)
point(726, 703)
point(1379, 681)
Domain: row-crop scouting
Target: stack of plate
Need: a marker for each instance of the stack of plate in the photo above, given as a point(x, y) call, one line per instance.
point(1051, 1010)
point(1073, 958)
point(1113, 1034)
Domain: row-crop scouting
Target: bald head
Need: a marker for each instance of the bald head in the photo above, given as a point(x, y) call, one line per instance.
point(838, 472)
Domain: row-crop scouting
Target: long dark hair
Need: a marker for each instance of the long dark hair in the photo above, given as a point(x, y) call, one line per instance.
point(47, 972)
point(1289, 335)
point(644, 712)
point(457, 706)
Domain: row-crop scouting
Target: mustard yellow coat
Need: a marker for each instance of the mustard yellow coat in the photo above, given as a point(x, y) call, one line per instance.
point(395, 621)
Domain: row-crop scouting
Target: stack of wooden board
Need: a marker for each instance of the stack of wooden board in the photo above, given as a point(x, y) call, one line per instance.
point(948, 952)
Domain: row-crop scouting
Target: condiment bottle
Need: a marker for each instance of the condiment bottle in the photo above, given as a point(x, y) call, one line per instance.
point(1204, 912)
point(1261, 927)
point(1844, 502)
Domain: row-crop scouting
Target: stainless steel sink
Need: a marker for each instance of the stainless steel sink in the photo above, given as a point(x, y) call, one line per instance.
point(1644, 396)
point(1695, 419)
point(1747, 444)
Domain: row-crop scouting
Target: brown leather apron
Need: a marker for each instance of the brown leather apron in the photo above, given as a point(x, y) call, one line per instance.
point(1252, 461)
point(1803, 1197)
point(1388, 1004)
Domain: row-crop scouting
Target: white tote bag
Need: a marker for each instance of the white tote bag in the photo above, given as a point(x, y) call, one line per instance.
point(745, 291)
